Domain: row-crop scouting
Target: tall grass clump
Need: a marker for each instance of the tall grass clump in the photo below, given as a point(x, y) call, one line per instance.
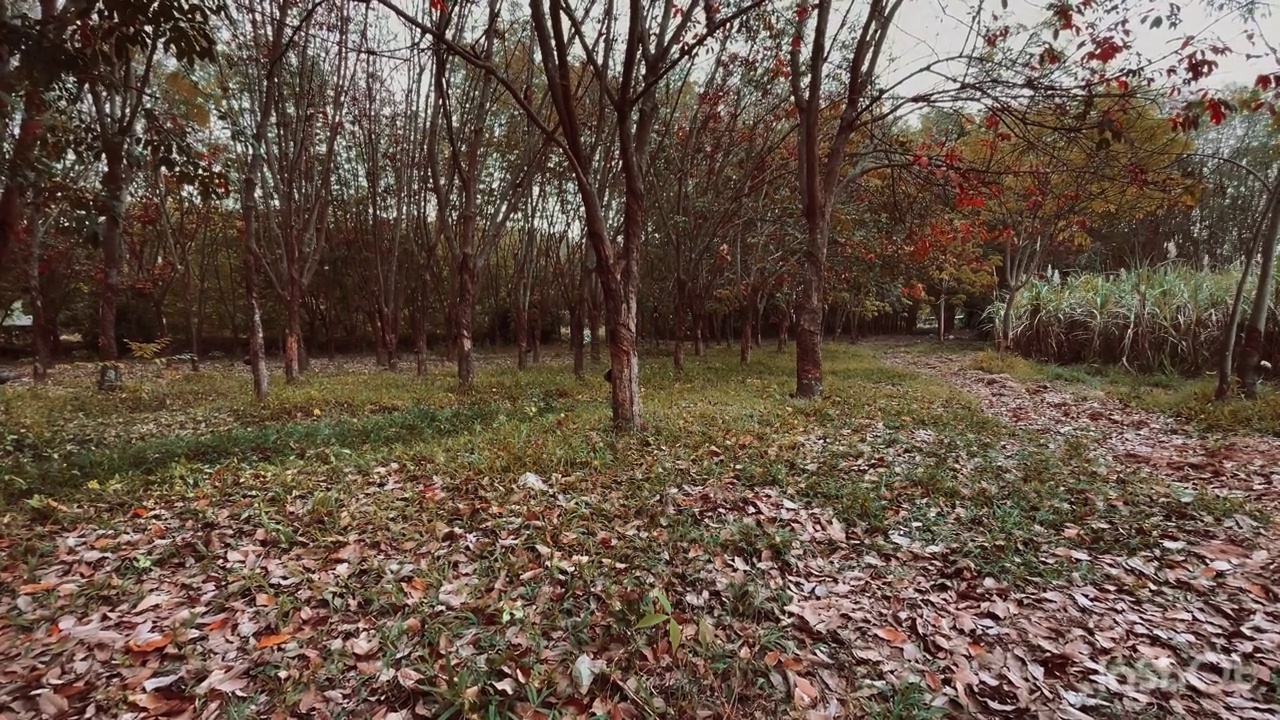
point(1167, 319)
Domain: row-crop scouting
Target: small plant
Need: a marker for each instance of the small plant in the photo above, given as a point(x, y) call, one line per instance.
point(148, 350)
point(657, 618)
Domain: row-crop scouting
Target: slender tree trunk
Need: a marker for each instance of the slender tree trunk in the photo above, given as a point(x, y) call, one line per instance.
point(419, 320)
point(293, 321)
point(593, 317)
point(391, 339)
point(115, 184)
point(537, 327)
point(465, 310)
point(1226, 360)
point(1251, 349)
point(677, 357)
point(809, 332)
point(942, 318)
point(522, 335)
point(193, 322)
point(1005, 342)
point(576, 341)
point(39, 323)
point(744, 347)
point(699, 332)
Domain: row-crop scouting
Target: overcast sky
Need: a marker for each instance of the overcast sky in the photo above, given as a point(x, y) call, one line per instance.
point(927, 29)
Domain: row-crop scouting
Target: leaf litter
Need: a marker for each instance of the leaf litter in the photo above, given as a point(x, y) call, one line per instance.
point(468, 593)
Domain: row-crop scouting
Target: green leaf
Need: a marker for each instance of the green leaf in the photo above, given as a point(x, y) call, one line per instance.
point(662, 599)
point(673, 634)
point(650, 620)
point(1157, 22)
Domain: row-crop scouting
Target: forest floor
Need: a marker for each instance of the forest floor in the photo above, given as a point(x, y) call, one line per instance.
point(931, 539)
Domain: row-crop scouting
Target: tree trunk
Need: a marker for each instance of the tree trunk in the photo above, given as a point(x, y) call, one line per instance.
point(419, 320)
point(1226, 359)
point(1251, 349)
point(391, 338)
point(115, 184)
point(537, 327)
point(257, 344)
point(942, 318)
point(809, 332)
point(293, 329)
point(593, 317)
point(699, 339)
point(1005, 341)
point(576, 341)
point(22, 160)
point(522, 335)
point(744, 348)
point(39, 323)
point(193, 320)
point(465, 310)
point(677, 356)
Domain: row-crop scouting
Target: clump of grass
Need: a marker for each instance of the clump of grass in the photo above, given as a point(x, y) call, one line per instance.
point(1162, 320)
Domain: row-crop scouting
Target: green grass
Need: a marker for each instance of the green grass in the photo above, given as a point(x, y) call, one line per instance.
point(417, 471)
point(1189, 399)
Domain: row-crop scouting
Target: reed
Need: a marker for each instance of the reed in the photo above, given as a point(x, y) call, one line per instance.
point(1167, 319)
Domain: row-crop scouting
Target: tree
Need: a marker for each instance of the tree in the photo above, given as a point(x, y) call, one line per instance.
point(124, 52)
point(1038, 189)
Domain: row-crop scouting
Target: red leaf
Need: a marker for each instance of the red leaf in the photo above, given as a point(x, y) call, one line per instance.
point(1263, 82)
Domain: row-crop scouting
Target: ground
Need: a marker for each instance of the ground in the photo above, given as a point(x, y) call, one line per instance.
point(931, 539)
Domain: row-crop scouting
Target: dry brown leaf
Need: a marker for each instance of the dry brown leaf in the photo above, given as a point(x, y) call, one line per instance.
point(267, 641)
point(896, 637)
point(52, 704)
point(805, 693)
point(154, 642)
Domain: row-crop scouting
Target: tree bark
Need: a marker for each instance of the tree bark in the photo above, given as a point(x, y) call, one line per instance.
point(39, 322)
point(593, 317)
point(1005, 341)
point(115, 184)
point(465, 311)
point(576, 341)
point(1226, 359)
point(744, 347)
point(1255, 332)
point(809, 332)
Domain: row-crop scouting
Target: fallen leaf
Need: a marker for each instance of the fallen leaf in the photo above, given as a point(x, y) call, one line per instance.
point(155, 642)
point(896, 637)
point(267, 641)
point(52, 704)
point(805, 693)
point(585, 669)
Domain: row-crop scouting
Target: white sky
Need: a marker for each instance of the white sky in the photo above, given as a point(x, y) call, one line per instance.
point(927, 29)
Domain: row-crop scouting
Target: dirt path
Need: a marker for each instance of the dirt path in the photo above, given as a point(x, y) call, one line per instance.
point(1191, 631)
point(1241, 466)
